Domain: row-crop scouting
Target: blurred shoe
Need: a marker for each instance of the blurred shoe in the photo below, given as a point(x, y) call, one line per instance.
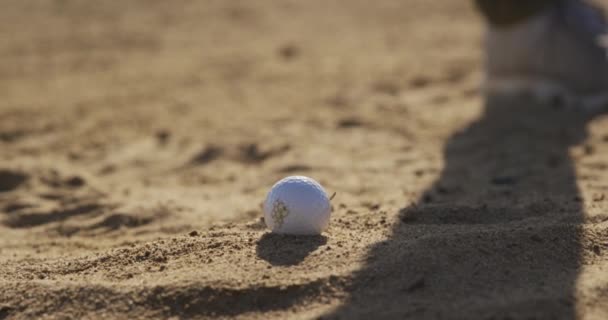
point(555, 50)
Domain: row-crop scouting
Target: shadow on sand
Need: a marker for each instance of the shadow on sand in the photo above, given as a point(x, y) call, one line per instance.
point(497, 237)
point(287, 250)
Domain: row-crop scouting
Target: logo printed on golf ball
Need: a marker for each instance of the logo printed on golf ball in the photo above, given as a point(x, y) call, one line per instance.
point(279, 212)
point(297, 205)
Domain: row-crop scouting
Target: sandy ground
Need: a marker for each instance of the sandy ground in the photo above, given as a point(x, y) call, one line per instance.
point(139, 138)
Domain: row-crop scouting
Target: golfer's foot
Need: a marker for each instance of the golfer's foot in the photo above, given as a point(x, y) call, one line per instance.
point(552, 49)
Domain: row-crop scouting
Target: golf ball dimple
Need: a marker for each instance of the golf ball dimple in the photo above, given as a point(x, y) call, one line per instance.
point(297, 205)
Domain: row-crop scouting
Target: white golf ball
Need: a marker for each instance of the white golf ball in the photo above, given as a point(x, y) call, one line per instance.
point(297, 205)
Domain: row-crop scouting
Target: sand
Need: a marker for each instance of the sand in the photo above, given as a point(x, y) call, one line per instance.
point(138, 140)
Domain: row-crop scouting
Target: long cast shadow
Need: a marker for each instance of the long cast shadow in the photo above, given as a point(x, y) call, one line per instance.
point(496, 236)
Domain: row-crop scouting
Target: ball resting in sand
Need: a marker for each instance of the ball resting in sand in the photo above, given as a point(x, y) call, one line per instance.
point(297, 205)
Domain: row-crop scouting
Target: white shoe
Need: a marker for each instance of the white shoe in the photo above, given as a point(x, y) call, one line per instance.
point(555, 50)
